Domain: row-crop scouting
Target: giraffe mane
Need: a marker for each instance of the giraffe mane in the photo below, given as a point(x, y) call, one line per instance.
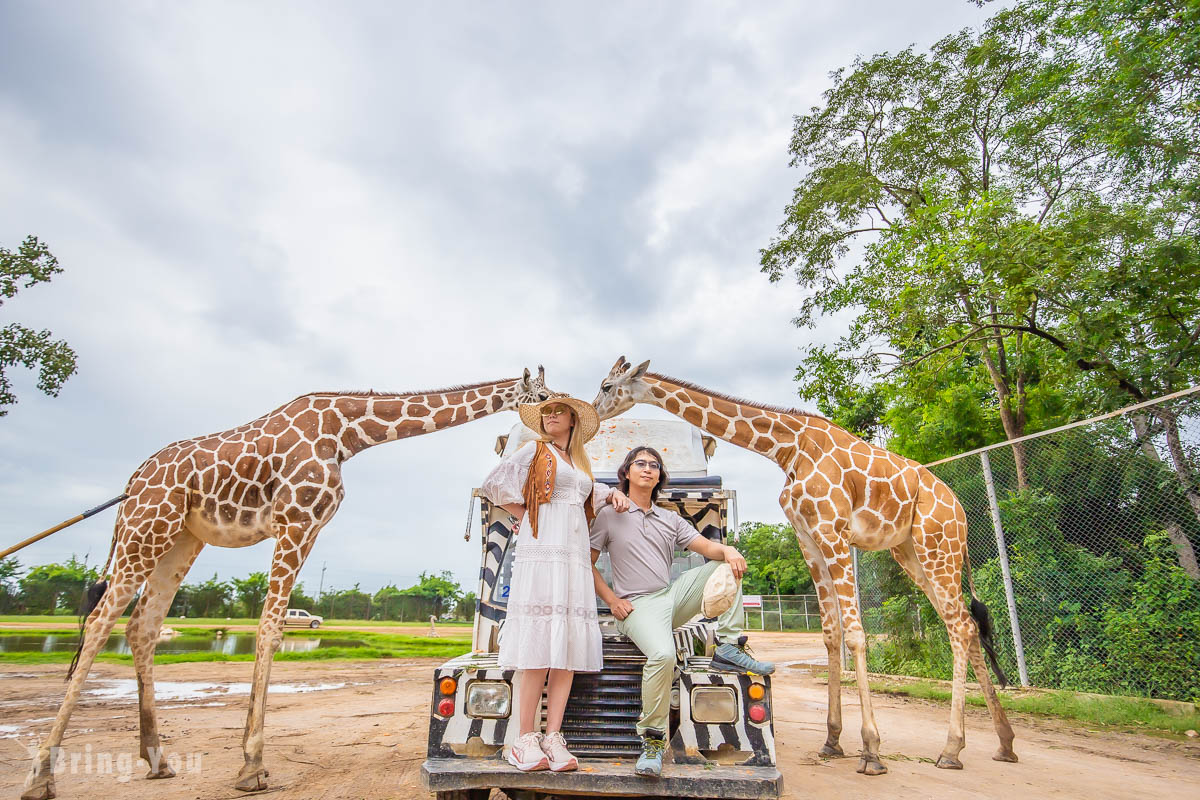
point(730, 398)
point(462, 387)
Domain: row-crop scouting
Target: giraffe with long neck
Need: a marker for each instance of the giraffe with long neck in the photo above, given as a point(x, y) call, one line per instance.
point(276, 477)
point(842, 492)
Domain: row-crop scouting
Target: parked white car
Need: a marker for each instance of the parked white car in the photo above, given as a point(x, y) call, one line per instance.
point(298, 616)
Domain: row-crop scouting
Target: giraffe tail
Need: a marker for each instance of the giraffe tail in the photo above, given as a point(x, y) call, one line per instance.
point(93, 594)
point(983, 620)
point(87, 604)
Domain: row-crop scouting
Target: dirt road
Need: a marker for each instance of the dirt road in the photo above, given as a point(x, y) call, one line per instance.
point(357, 729)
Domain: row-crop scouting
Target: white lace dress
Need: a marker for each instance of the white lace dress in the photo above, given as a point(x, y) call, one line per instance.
point(552, 618)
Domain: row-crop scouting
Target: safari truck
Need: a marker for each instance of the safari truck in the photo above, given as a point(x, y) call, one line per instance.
point(721, 737)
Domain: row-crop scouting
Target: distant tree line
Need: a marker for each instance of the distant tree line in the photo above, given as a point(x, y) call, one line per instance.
point(56, 588)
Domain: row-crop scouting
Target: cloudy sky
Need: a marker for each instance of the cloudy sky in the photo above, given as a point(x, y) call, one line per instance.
point(252, 201)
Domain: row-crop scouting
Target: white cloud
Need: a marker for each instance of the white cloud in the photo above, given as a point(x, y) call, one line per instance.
point(252, 202)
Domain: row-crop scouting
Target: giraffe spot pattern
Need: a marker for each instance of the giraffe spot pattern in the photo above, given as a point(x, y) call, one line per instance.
point(841, 492)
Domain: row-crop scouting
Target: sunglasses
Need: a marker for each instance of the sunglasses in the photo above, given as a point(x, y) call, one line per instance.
point(553, 411)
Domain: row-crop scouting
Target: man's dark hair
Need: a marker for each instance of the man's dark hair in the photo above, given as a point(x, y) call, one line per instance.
point(623, 471)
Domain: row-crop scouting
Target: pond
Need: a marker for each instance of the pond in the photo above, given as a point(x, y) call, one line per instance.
point(229, 644)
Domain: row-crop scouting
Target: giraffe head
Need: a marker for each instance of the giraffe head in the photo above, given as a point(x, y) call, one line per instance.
point(622, 389)
point(530, 389)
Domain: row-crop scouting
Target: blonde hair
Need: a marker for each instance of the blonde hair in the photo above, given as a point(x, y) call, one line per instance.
point(579, 456)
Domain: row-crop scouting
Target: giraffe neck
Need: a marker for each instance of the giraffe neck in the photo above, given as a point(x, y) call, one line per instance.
point(774, 434)
point(365, 420)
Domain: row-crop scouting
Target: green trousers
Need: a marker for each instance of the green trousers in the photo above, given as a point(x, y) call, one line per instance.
point(650, 626)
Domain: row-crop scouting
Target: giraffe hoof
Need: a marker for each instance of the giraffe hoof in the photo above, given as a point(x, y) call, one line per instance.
point(163, 771)
point(946, 762)
point(831, 751)
point(40, 789)
point(251, 781)
point(870, 765)
point(1005, 754)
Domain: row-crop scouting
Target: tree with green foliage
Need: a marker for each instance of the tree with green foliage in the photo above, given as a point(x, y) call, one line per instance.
point(300, 599)
point(210, 598)
point(1134, 83)
point(443, 589)
point(251, 591)
point(465, 608)
point(54, 588)
point(774, 563)
point(959, 202)
point(929, 162)
point(10, 572)
point(391, 603)
point(31, 264)
point(350, 603)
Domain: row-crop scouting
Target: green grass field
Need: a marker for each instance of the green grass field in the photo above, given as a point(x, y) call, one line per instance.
point(1104, 712)
point(375, 646)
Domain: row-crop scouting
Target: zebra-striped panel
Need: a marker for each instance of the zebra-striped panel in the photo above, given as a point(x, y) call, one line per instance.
point(701, 630)
point(459, 728)
point(695, 740)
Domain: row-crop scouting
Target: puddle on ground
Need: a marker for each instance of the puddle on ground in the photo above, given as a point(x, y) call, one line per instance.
point(806, 662)
point(125, 690)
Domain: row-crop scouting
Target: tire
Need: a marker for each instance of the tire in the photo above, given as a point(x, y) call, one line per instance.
point(316, 623)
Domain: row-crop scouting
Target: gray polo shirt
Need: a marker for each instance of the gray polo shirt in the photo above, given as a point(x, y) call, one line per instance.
point(641, 545)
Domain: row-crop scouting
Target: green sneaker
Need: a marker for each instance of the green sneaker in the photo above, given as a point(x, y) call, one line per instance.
point(649, 763)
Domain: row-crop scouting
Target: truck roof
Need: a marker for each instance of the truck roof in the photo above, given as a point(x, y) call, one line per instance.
point(684, 449)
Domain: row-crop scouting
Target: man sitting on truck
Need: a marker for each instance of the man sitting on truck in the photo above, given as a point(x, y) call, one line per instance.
point(648, 606)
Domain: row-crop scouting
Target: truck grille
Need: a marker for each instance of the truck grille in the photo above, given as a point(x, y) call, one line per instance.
point(601, 716)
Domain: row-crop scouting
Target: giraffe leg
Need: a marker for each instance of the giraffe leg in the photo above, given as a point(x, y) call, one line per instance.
point(956, 737)
point(142, 635)
point(841, 568)
point(906, 557)
point(831, 631)
point(1004, 730)
point(131, 564)
point(291, 548)
point(952, 616)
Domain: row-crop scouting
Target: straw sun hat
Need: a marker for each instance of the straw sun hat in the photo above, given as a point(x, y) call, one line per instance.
point(586, 417)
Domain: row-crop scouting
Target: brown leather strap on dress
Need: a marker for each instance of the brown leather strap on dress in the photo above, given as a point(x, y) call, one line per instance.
point(539, 484)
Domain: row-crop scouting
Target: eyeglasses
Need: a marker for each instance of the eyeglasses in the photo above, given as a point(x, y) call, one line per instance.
point(643, 464)
point(552, 411)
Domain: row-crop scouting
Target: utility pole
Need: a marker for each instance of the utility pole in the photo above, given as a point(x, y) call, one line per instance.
point(321, 587)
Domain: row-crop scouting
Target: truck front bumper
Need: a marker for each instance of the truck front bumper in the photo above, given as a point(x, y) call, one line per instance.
point(599, 776)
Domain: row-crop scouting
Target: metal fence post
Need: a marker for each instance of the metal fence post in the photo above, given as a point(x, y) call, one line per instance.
point(857, 602)
point(994, 507)
point(857, 594)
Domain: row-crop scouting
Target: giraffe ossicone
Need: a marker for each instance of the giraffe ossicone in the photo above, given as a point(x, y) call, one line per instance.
point(843, 492)
point(278, 477)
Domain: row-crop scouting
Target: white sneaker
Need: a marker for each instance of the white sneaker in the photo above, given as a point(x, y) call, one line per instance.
point(526, 753)
point(555, 748)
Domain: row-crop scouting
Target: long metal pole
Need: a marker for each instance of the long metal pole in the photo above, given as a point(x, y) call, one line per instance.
point(994, 507)
point(60, 526)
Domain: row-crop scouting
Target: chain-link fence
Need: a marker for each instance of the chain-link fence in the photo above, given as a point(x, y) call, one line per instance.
point(788, 612)
point(1084, 543)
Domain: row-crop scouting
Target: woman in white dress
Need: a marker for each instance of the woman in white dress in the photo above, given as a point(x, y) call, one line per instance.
point(551, 630)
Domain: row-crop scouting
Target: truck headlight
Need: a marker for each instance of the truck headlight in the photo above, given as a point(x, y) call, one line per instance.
point(489, 699)
point(714, 704)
